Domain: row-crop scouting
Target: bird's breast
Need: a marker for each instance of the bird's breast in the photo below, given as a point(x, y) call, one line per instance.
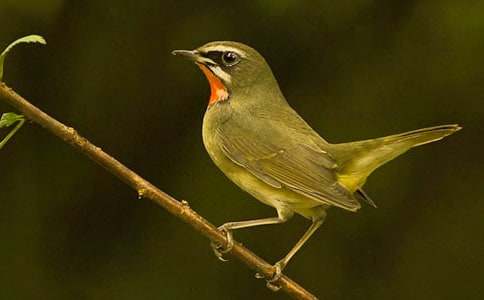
point(280, 198)
point(214, 117)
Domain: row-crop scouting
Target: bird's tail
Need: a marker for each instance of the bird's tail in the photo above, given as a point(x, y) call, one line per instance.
point(358, 159)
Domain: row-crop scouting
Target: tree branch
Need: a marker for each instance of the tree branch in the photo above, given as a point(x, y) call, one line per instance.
point(145, 189)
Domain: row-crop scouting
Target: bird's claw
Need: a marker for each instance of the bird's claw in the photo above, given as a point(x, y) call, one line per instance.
point(271, 282)
point(220, 250)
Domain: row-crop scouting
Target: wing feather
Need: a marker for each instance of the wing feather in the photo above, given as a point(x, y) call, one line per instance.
point(301, 168)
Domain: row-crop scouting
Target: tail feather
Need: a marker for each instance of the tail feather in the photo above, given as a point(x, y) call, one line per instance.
point(423, 136)
point(362, 196)
point(358, 159)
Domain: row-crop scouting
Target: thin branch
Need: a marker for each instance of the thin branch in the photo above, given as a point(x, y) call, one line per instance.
point(12, 133)
point(147, 190)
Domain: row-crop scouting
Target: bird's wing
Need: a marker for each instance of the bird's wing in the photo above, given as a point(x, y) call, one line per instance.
point(297, 166)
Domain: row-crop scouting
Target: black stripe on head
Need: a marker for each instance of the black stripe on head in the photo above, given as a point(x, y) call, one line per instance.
point(216, 56)
point(224, 59)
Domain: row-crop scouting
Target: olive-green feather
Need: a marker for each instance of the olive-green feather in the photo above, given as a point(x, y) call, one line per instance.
point(357, 160)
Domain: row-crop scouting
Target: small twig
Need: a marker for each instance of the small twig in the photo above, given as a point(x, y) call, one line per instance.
point(147, 190)
point(12, 133)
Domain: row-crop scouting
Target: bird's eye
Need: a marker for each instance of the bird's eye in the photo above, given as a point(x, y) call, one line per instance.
point(230, 58)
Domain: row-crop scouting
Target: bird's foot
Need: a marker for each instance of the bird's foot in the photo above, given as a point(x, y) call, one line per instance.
point(219, 249)
point(271, 282)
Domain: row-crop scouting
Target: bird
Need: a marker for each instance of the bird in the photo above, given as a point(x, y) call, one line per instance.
point(267, 149)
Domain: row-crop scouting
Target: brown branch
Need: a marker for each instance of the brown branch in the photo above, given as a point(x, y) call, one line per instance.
point(145, 189)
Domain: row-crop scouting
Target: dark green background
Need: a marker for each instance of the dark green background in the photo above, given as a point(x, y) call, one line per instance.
point(353, 69)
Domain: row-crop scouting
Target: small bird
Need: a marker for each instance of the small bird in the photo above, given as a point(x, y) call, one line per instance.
point(261, 144)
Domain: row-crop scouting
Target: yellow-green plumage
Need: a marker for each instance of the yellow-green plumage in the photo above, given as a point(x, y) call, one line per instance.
point(358, 159)
point(263, 146)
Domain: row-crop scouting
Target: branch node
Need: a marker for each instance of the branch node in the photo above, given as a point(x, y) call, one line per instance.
point(141, 193)
point(185, 207)
point(71, 131)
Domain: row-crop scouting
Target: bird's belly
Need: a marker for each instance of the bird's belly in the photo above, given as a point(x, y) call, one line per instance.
point(279, 198)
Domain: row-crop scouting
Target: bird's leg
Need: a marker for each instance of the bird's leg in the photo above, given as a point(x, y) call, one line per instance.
point(227, 228)
point(280, 265)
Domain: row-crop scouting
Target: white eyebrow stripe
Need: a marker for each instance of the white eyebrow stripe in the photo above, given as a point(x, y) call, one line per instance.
point(222, 48)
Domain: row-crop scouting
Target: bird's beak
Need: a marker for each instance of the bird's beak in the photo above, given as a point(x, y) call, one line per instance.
point(188, 54)
point(194, 56)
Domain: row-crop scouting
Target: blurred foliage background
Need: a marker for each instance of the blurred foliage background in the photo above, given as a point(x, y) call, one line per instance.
point(353, 69)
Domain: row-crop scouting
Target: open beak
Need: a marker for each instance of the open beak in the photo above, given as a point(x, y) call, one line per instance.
point(194, 56)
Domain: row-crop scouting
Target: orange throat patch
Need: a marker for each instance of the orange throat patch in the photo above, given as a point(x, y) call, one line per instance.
point(218, 91)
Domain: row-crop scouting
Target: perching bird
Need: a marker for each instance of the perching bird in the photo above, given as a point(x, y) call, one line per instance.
point(263, 145)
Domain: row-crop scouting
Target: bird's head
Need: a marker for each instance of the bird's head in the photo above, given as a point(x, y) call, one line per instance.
point(231, 68)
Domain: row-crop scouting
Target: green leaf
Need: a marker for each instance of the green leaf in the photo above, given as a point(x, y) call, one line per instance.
point(8, 119)
point(26, 39)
